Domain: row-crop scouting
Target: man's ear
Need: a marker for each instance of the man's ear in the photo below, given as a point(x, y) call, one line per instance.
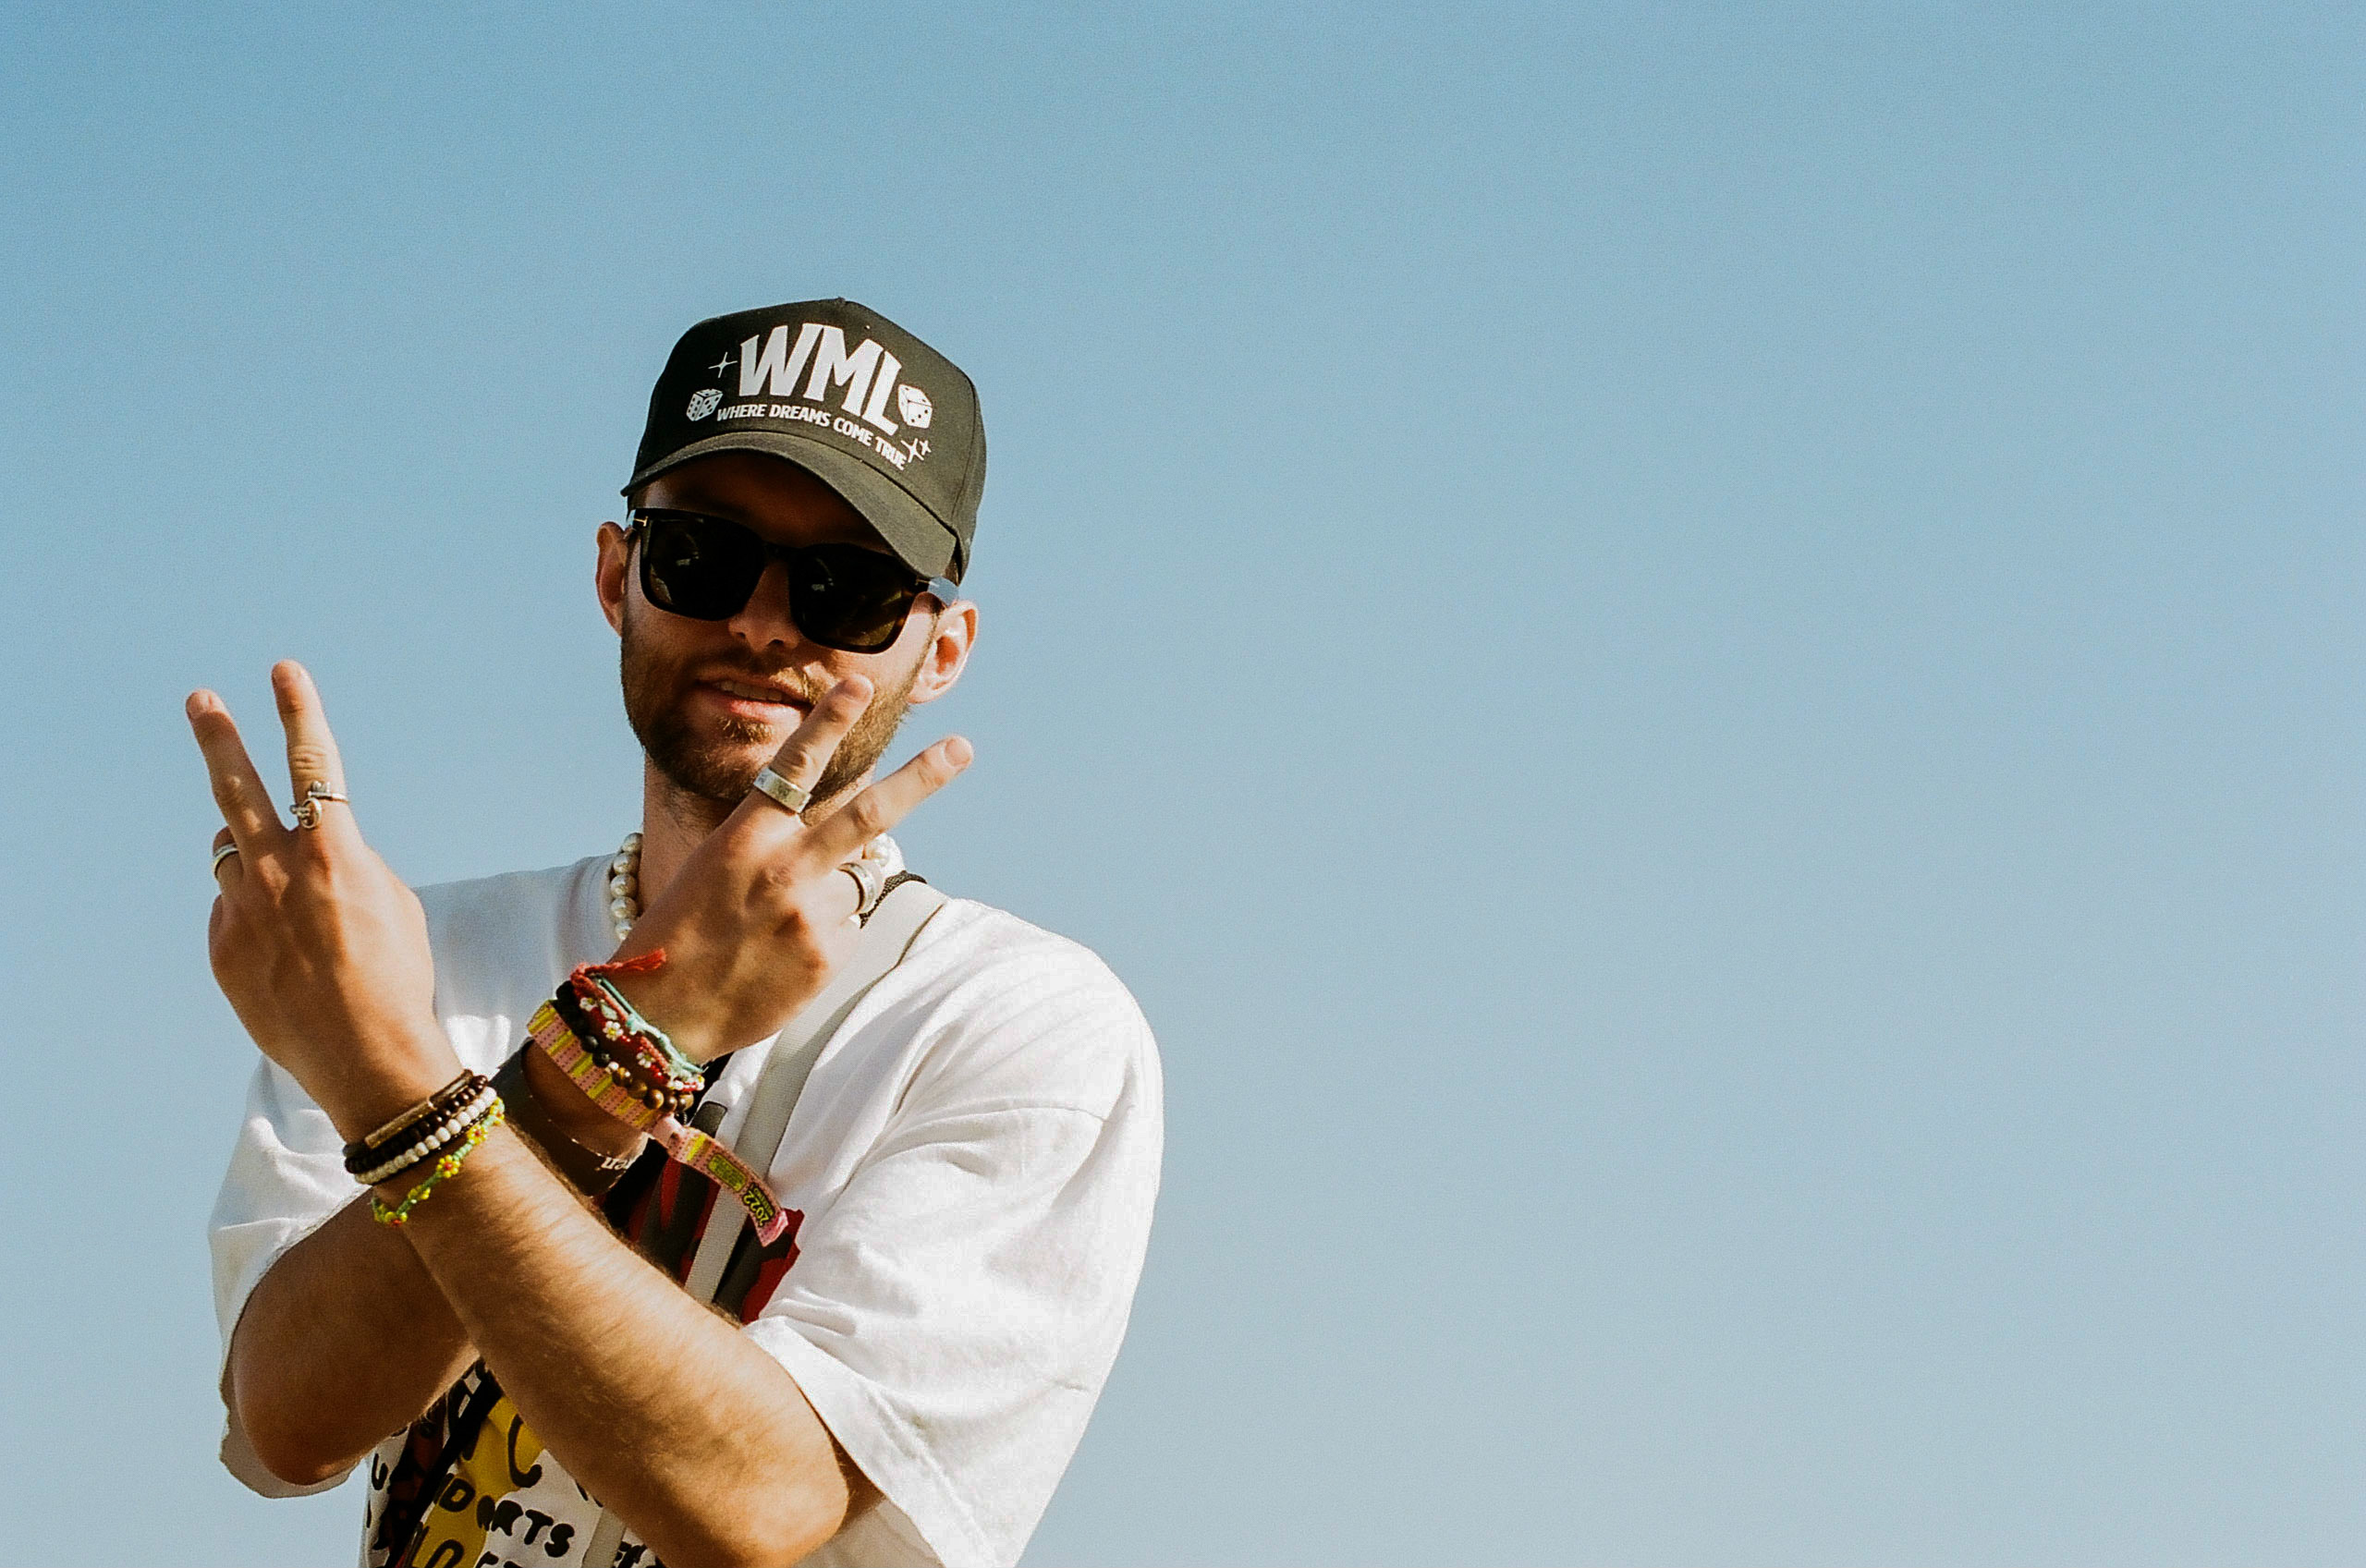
point(949, 643)
point(609, 577)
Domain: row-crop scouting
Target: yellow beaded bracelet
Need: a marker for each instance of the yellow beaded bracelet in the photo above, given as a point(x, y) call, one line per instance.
point(446, 1166)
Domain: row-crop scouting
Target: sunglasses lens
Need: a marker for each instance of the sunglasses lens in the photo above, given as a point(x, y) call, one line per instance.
point(702, 567)
point(850, 598)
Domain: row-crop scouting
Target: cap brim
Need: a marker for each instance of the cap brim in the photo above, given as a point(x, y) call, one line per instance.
point(909, 529)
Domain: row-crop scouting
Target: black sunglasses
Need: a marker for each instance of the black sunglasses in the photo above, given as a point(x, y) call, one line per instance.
point(842, 596)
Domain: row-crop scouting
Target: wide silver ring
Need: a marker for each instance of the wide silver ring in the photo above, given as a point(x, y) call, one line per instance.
point(871, 883)
point(790, 797)
point(316, 794)
point(219, 855)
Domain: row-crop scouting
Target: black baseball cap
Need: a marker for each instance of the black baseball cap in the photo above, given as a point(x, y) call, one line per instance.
point(844, 392)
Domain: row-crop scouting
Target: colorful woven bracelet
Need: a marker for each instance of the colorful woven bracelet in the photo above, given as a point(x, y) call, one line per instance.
point(677, 1065)
point(604, 1030)
point(708, 1156)
point(446, 1167)
point(614, 1023)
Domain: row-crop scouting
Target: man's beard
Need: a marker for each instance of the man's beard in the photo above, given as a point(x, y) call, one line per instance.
point(719, 766)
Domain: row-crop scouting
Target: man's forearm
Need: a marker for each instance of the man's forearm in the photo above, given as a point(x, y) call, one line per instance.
point(690, 1432)
point(346, 1340)
point(349, 1337)
point(695, 1436)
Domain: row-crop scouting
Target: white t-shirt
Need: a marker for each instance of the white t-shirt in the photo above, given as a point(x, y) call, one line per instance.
point(974, 1163)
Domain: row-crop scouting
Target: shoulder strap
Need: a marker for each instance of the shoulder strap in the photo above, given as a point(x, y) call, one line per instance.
point(887, 936)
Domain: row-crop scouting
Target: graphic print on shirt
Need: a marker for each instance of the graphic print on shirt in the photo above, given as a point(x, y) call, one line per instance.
point(500, 1501)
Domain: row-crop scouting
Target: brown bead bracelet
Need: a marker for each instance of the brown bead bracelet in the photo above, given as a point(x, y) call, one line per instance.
point(413, 1127)
point(618, 1065)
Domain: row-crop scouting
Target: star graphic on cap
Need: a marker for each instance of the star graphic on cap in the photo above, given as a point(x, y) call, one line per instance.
point(723, 365)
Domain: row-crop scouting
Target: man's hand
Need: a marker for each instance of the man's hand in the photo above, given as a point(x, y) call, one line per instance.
point(760, 914)
point(320, 948)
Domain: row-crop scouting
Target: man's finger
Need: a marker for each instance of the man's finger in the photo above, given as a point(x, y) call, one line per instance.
point(841, 837)
point(237, 788)
point(811, 746)
point(311, 750)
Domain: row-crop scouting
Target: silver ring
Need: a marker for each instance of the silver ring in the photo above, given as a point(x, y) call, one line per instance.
point(219, 855)
point(871, 885)
point(790, 797)
point(308, 811)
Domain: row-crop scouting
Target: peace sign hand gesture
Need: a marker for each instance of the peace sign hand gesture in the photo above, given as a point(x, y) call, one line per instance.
point(759, 916)
point(320, 947)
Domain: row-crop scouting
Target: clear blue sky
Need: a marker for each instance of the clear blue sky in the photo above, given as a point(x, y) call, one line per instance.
point(1703, 663)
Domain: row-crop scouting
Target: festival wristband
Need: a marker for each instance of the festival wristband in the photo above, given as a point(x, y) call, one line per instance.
point(709, 1157)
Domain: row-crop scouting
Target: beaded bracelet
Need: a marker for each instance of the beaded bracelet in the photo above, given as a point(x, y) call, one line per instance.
point(620, 1007)
point(372, 1149)
point(420, 1139)
point(446, 1167)
point(433, 1139)
point(611, 1028)
point(707, 1155)
point(635, 1068)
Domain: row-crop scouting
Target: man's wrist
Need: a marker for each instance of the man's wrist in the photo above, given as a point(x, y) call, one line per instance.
point(570, 1110)
point(485, 1148)
point(394, 1074)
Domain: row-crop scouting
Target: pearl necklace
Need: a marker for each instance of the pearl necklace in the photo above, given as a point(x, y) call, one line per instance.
point(624, 886)
point(624, 877)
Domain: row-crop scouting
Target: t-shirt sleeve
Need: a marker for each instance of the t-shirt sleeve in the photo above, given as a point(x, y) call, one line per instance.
point(953, 1313)
point(287, 1176)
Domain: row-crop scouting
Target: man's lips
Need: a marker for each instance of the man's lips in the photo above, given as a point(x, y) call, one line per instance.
point(755, 698)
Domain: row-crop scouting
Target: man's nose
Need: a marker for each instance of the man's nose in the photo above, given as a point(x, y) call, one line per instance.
point(764, 621)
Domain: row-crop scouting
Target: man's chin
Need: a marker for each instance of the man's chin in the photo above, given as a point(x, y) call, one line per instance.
point(715, 756)
point(722, 773)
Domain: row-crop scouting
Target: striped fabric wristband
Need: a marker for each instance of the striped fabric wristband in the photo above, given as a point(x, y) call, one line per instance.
point(708, 1156)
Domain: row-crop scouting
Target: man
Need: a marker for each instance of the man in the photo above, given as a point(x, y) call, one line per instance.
point(901, 1373)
